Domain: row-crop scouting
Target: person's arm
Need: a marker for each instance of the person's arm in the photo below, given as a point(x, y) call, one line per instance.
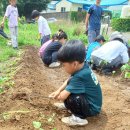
point(86, 20)
point(63, 95)
point(3, 21)
point(56, 93)
point(40, 27)
point(5, 16)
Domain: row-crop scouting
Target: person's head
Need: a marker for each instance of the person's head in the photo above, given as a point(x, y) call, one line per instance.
point(35, 14)
point(54, 37)
point(60, 30)
point(72, 55)
point(62, 37)
point(13, 2)
point(118, 36)
point(98, 2)
point(100, 39)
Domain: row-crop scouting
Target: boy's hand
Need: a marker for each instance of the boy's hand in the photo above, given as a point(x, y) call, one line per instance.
point(55, 94)
point(2, 24)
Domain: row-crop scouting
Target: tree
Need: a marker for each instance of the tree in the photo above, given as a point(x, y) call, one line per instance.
point(27, 6)
point(1, 7)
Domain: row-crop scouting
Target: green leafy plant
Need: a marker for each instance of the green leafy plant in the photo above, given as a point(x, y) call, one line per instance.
point(126, 71)
point(37, 125)
point(51, 118)
point(121, 24)
point(78, 16)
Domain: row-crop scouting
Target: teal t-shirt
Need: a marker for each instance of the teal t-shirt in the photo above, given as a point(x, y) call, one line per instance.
point(85, 82)
point(91, 48)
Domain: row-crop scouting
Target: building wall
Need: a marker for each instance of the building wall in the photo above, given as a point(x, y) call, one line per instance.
point(75, 7)
point(57, 15)
point(68, 6)
point(65, 4)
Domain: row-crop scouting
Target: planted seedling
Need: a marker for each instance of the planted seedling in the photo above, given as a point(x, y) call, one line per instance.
point(37, 125)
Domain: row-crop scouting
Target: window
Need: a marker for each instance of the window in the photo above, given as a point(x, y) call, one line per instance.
point(63, 9)
point(79, 9)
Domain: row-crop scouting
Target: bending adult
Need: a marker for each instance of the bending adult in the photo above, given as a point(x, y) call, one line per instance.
point(111, 55)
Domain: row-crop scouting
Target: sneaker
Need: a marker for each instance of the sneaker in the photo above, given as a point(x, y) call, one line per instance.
point(107, 71)
point(16, 48)
point(54, 65)
point(74, 121)
point(60, 105)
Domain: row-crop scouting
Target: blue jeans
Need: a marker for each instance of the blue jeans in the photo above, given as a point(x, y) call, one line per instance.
point(92, 34)
point(45, 39)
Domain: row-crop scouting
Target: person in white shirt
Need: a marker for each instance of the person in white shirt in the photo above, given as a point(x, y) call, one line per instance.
point(43, 27)
point(111, 55)
point(12, 15)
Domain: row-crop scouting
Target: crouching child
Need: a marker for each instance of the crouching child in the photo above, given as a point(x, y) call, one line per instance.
point(81, 92)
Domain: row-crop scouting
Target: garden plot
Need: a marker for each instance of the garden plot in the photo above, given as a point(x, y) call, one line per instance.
point(18, 112)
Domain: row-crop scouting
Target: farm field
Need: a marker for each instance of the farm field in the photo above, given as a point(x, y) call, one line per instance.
point(25, 83)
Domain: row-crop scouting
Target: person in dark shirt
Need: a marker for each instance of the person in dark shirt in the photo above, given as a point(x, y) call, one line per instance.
point(50, 55)
point(81, 92)
point(93, 21)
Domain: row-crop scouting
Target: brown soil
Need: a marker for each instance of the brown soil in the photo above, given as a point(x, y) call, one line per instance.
point(27, 101)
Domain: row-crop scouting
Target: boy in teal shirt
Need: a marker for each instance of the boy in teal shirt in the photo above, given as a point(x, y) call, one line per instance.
point(93, 46)
point(81, 93)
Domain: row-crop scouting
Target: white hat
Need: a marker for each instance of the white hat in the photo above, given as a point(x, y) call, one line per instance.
point(116, 34)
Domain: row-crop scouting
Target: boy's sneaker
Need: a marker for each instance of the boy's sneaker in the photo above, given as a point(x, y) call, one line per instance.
point(60, 105)
point(54, 65)
point(74, 121)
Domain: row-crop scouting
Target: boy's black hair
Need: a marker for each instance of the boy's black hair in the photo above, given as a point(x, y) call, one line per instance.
point(73, 50)
point(100, 38)
point(119, 39)
point(62, 35)
point(35, 14)
point(60, 30)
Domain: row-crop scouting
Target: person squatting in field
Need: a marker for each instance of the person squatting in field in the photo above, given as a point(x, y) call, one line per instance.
point(112, 54)
point(81, 92)
point(51, 51)
point(44, 46)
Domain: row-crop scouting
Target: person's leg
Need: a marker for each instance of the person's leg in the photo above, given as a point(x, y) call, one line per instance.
point(91, 36)
point(16, 32)
point(97, 32)
point(45, 39)
point(116, 63)
point(16, 37)
point(54, 62)
point(95, 62)
point(78, 105)
point(13, 32)
point(79, 108)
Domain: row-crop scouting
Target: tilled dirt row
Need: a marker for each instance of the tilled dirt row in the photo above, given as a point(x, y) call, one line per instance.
point(27, 101)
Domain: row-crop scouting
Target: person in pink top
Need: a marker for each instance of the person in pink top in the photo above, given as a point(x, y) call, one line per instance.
point(12, 15)
point(44, 46)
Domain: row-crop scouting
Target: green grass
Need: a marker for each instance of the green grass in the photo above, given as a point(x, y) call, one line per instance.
point(28, 35)
point(73, 30)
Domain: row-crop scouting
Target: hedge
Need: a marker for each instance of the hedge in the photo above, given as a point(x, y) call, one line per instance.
point(121, 24)
point(78, 16)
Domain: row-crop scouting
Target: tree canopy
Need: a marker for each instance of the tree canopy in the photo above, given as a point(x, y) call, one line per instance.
point(25, 7)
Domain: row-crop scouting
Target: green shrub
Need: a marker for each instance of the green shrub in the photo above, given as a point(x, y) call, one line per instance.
point(121, 24)
point(77, 16)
